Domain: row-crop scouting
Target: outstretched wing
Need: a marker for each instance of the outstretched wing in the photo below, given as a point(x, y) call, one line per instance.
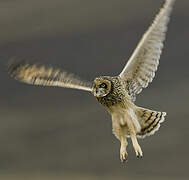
point(141, 67)
point(46, 76)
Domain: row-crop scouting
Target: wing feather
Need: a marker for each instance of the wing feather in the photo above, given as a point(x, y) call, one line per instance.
point(46, 76)
point(142, 65)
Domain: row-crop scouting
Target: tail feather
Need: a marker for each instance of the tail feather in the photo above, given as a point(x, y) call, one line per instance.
point(150, 121)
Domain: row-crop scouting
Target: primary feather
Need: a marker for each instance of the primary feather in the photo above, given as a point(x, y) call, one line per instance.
point(141, 67)
point(46, 76)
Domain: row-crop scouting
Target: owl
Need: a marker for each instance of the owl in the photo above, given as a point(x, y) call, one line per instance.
point(117, 94)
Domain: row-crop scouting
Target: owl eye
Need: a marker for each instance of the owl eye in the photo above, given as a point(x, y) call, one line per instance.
point(103, 85)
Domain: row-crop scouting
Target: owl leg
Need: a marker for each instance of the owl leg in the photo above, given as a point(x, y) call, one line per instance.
point(136, 146)
point(132, 129)
point(120, 133)
point(123, 151)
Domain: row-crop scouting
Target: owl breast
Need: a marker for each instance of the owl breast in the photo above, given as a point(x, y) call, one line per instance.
point(117, 94)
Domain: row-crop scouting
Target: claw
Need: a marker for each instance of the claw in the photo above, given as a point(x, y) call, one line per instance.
point(123, 156)
point(139, 156)
point(139, 153)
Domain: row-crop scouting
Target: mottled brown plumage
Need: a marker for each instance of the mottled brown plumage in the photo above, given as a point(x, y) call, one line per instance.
point(117, 94)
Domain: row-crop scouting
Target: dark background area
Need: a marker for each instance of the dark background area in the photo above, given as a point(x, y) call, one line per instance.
point(55, 133)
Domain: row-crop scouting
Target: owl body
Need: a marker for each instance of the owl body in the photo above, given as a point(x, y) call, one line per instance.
point(117, 102)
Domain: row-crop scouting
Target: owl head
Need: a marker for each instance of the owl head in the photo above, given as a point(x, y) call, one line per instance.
point(101, 87)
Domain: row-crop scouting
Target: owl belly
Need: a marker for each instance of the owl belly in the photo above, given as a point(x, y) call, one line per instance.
point(124, 117)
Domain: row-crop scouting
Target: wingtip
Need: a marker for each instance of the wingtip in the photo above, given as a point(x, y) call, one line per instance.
point(14, 67)
point(169, 2)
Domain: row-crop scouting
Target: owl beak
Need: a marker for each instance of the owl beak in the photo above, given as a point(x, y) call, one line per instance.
point(99, 92)
point(95, 93)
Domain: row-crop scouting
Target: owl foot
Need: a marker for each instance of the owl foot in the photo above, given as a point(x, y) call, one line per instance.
point(138, 151)
point(136, 146)
point(123, 156)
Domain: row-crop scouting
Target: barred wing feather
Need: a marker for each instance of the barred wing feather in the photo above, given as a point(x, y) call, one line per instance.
point(46, 76)
point(141, 67)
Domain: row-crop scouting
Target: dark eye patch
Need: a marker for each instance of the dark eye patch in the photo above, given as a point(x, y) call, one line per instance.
point(103, 85)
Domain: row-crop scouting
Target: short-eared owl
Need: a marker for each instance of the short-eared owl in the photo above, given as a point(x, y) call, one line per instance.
point(117, 94)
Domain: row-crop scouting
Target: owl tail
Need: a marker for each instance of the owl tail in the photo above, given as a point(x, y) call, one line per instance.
point(149, 120)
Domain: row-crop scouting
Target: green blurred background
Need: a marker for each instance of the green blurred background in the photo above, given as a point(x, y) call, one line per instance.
point(54, 133)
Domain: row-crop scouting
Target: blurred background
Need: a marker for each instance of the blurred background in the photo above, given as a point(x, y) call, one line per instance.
point(55, 133)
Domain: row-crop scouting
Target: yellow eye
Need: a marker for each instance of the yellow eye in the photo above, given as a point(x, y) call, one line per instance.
point(103, 85)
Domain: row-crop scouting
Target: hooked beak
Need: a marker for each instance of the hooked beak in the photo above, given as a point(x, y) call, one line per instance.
point(98, 93)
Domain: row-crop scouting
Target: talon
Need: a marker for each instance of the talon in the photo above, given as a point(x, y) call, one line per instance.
point(123, 157)
point(139, 154)
point(123, 160)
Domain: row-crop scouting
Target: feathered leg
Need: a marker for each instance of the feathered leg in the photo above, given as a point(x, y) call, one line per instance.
point(120, 133)
point(136, 146)
point(123, 151)
point(133, 127)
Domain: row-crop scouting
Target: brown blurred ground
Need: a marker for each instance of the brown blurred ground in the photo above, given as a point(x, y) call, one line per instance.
point(54, 133)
